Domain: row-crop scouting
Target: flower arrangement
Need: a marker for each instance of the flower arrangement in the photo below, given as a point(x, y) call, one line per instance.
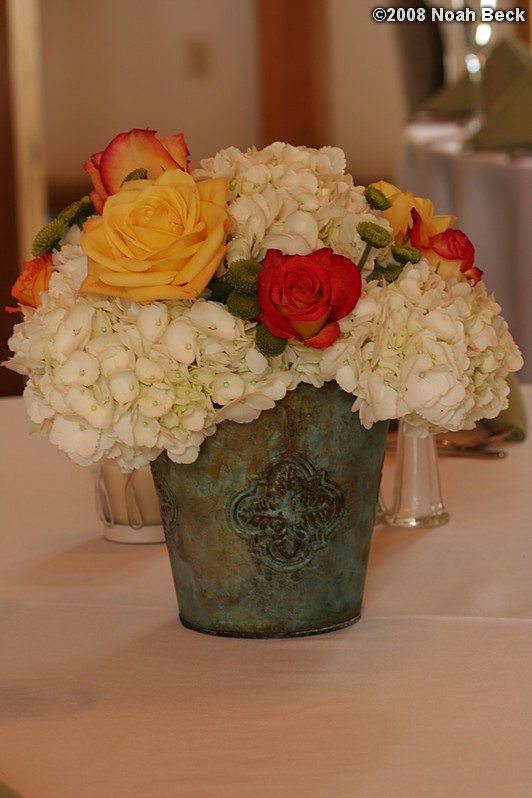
point(170, 300)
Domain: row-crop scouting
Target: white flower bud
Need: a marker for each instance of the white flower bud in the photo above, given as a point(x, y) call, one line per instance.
point(84, 403)
point(73, 332)
point(124, 386)
point(193, 419)
point(74, 437)
point(146, 432)
point(180, 339)
point(227, 387)
point(212, 319)
point(79, 368)
point(255, 361)
point(116, 358)
point(147, 371)
point(346, 378)
point(152, 321)
point(155, 402)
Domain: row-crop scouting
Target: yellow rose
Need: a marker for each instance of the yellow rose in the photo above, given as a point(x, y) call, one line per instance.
point(157, 239)
point(400, 214)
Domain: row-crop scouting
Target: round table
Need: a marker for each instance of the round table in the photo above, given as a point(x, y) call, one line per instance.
point(103, 693)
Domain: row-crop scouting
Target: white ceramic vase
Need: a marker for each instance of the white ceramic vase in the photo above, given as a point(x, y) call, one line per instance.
point(127, 504)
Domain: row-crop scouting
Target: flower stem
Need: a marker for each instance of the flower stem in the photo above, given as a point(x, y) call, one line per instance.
point(364, 257)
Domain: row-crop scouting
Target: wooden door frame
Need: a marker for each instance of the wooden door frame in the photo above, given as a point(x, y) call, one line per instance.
point(294, 72)
point(25, 67)
point(525, 28)
point(294, 52)
point(22, 153)
point(11, 383)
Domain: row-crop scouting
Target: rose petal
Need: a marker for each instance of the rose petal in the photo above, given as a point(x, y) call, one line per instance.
point(138, 149)
point(325, 337)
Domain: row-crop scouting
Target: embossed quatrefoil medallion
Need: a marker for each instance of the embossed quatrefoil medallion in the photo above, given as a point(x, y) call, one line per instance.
point(287, 513)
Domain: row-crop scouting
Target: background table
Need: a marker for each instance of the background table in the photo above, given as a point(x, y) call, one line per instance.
point(491, 194)
point(103, 693)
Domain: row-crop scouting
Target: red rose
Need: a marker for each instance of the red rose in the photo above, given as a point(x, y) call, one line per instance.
point(304, 296)
point(450, 251)
point(454, 245)
point(34, 278)
point(138, 149)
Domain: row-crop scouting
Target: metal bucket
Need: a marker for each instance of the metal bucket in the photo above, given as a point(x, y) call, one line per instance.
point(269, 531)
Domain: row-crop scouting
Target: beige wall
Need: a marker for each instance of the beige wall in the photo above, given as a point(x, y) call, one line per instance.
point(110, 65)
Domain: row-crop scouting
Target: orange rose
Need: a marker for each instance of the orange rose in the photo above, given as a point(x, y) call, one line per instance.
point(414, 223)
point(138, 149)
point(400, 214)
point(451, 252)
point(34, 279)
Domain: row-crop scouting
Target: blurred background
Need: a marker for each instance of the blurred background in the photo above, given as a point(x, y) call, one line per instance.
point(73, 74)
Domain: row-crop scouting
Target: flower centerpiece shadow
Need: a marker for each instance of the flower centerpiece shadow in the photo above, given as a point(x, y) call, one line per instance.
point(248, 328)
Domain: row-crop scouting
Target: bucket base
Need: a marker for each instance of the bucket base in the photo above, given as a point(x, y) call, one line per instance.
point(268, 635)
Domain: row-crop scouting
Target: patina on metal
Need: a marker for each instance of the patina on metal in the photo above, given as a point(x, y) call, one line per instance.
point(269, 531)
point(287, 513)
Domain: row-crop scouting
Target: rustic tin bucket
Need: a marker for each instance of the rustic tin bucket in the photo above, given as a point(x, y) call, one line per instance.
point(269, 531)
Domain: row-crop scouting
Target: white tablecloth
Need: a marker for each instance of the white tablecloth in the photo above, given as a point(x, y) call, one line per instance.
point(103, 693)
point(491, 194)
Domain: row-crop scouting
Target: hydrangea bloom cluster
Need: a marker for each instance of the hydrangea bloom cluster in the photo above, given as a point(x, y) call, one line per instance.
point(294, 199)
point(434, 352)
point(112, 378)
point(109, 377)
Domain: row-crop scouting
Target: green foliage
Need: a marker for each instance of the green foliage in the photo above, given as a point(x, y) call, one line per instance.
point(244, 275)
point(244, 306)
point(49, 237)
point(376, 199)
point(374, 234)
point(77, 212)
point(390, 272)
point(268, 343)
point(136, 174)
point(219, 291)
point(406, 255)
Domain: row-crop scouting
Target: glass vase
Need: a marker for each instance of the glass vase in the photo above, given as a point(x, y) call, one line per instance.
point(479, 38)
point(417, 499)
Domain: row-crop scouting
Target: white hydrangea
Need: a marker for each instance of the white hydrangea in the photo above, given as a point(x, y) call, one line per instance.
point(294, 199)
point(109, 378)
point(113, 379)
point(431, 351)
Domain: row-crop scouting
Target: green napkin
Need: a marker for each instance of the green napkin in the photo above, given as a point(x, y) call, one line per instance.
point(7, 792)
point(507, 61)
point(509, 125)
point(514, 415)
